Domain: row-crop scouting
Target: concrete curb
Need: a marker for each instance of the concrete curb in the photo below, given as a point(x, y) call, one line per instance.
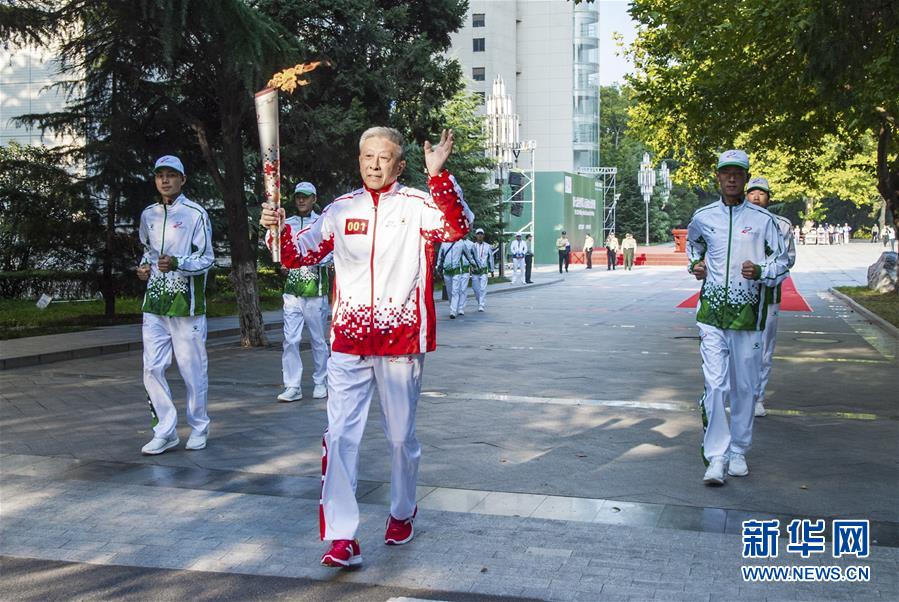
point(25, 361)
point(869, 315)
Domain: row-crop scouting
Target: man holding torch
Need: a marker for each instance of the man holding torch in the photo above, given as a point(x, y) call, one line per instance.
point(382, 237)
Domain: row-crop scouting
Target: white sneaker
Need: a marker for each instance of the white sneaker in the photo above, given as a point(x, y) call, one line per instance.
point(737, 466)
point(760, 409)
point(291, 394)
point(461, 313)
point(196, 441)
point(452, 316)
point(481, 308)
point(320, 391)
point(714, 474)
point(157, 445)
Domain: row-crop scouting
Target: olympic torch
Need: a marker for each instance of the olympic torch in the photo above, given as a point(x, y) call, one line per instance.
point(267, 122)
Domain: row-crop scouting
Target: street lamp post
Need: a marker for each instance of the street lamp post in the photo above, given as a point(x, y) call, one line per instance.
point(665, 179)
point(646, 178)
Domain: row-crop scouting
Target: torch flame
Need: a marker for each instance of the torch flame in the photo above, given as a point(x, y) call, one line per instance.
point(288, 79)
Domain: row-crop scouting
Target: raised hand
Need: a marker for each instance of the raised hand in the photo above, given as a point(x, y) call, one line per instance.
point(436, 156)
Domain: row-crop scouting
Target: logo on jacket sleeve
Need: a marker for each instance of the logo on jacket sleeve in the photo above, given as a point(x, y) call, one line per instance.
point(356, 226)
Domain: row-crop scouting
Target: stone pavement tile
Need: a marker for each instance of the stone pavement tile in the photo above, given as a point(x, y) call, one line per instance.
point(694, 519)
point(381, 495)
point(633, 514)
point(452, 500)
point(568, 509)
point(509, 504)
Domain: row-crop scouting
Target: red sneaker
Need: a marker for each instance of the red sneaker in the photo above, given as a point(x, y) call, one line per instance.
point(400, 531)
point(343, 553)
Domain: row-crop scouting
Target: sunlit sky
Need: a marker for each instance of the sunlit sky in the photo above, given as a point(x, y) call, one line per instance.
point(613, 17)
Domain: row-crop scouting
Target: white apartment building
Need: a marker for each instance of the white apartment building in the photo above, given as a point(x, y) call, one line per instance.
point(547, 54)
point(26, 75)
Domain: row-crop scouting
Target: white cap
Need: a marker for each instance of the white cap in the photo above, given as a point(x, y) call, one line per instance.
point(170, 161)
point(306, 188)
point(517, 234)
point(734, 157)
point(758, 183)
point(479, 231)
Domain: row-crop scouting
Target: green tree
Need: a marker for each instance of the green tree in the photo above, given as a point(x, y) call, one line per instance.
point(47, 217)
point(468, 163)
point(789, 76)
point(620, 148)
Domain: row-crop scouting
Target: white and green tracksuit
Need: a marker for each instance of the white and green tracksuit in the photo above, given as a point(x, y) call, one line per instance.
point(455, 260)
point(772, 298)
point(305, 302)
point(482, 254)
point(174, 309)
point(731, 314)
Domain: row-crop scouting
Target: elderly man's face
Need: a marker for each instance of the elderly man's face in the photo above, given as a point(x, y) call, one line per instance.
point(379, 162)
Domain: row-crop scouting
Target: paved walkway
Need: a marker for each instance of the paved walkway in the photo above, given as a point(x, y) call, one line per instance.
point(560, 459)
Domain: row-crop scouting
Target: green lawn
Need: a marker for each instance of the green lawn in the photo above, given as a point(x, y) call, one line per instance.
point(885, 305)
point(21, 318)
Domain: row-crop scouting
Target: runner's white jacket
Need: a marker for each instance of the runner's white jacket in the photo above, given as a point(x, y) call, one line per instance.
point(383, 245)
point(725, 237)
point(181, 230)
point(774, 295)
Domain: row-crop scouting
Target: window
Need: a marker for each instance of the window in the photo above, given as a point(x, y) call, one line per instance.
point(477, 74)
point(481, 97)
point(478, 44)
point(477, 20)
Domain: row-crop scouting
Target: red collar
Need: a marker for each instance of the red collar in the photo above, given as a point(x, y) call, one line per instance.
point(376, 194)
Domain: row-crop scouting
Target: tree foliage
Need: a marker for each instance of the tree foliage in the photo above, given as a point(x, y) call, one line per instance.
point(620, 148)
point(47, 217)
point(809, 87)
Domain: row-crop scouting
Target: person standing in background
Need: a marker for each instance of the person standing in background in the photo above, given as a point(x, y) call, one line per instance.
point(528, 259)
point(611, 251)
point(518, 249)
point(588, 250)
point(562, 246)
point(629, 248)
point(875, 233)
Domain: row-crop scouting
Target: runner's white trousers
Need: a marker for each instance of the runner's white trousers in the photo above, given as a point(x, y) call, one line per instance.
point(186, 337)
point(459, 298)
point(351, 383)
point(731, 361)
point(769, 338)
point(518, 270)
point(479, 286)
point(297, 312)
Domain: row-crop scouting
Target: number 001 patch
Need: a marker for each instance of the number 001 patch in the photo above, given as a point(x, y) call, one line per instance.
point(356, 226)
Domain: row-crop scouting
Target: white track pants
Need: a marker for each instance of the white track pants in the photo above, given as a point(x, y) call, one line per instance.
point(731, 360)
point(769, 338)
point(518, 270)
point(297, 312)
point(351, 383)
point(459, 298)
point(448, 287)
point(479, 286)
point(186, 337)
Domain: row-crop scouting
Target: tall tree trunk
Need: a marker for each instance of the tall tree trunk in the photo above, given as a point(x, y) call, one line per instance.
point(243, 254)
point(888, 173)
point(107, 286)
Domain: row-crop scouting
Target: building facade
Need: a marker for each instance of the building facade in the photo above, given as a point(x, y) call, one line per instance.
point(27, 78)
point(547, 54)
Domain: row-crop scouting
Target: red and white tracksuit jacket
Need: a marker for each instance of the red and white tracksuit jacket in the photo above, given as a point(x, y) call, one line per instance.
point(383, 245)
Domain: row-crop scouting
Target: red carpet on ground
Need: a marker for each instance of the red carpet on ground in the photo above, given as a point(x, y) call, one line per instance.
point(791, 300)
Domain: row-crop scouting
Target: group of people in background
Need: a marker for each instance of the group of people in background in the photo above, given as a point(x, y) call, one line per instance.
point(886, 235)
point(824, 234)
point(627, 246)
point(462, 261)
